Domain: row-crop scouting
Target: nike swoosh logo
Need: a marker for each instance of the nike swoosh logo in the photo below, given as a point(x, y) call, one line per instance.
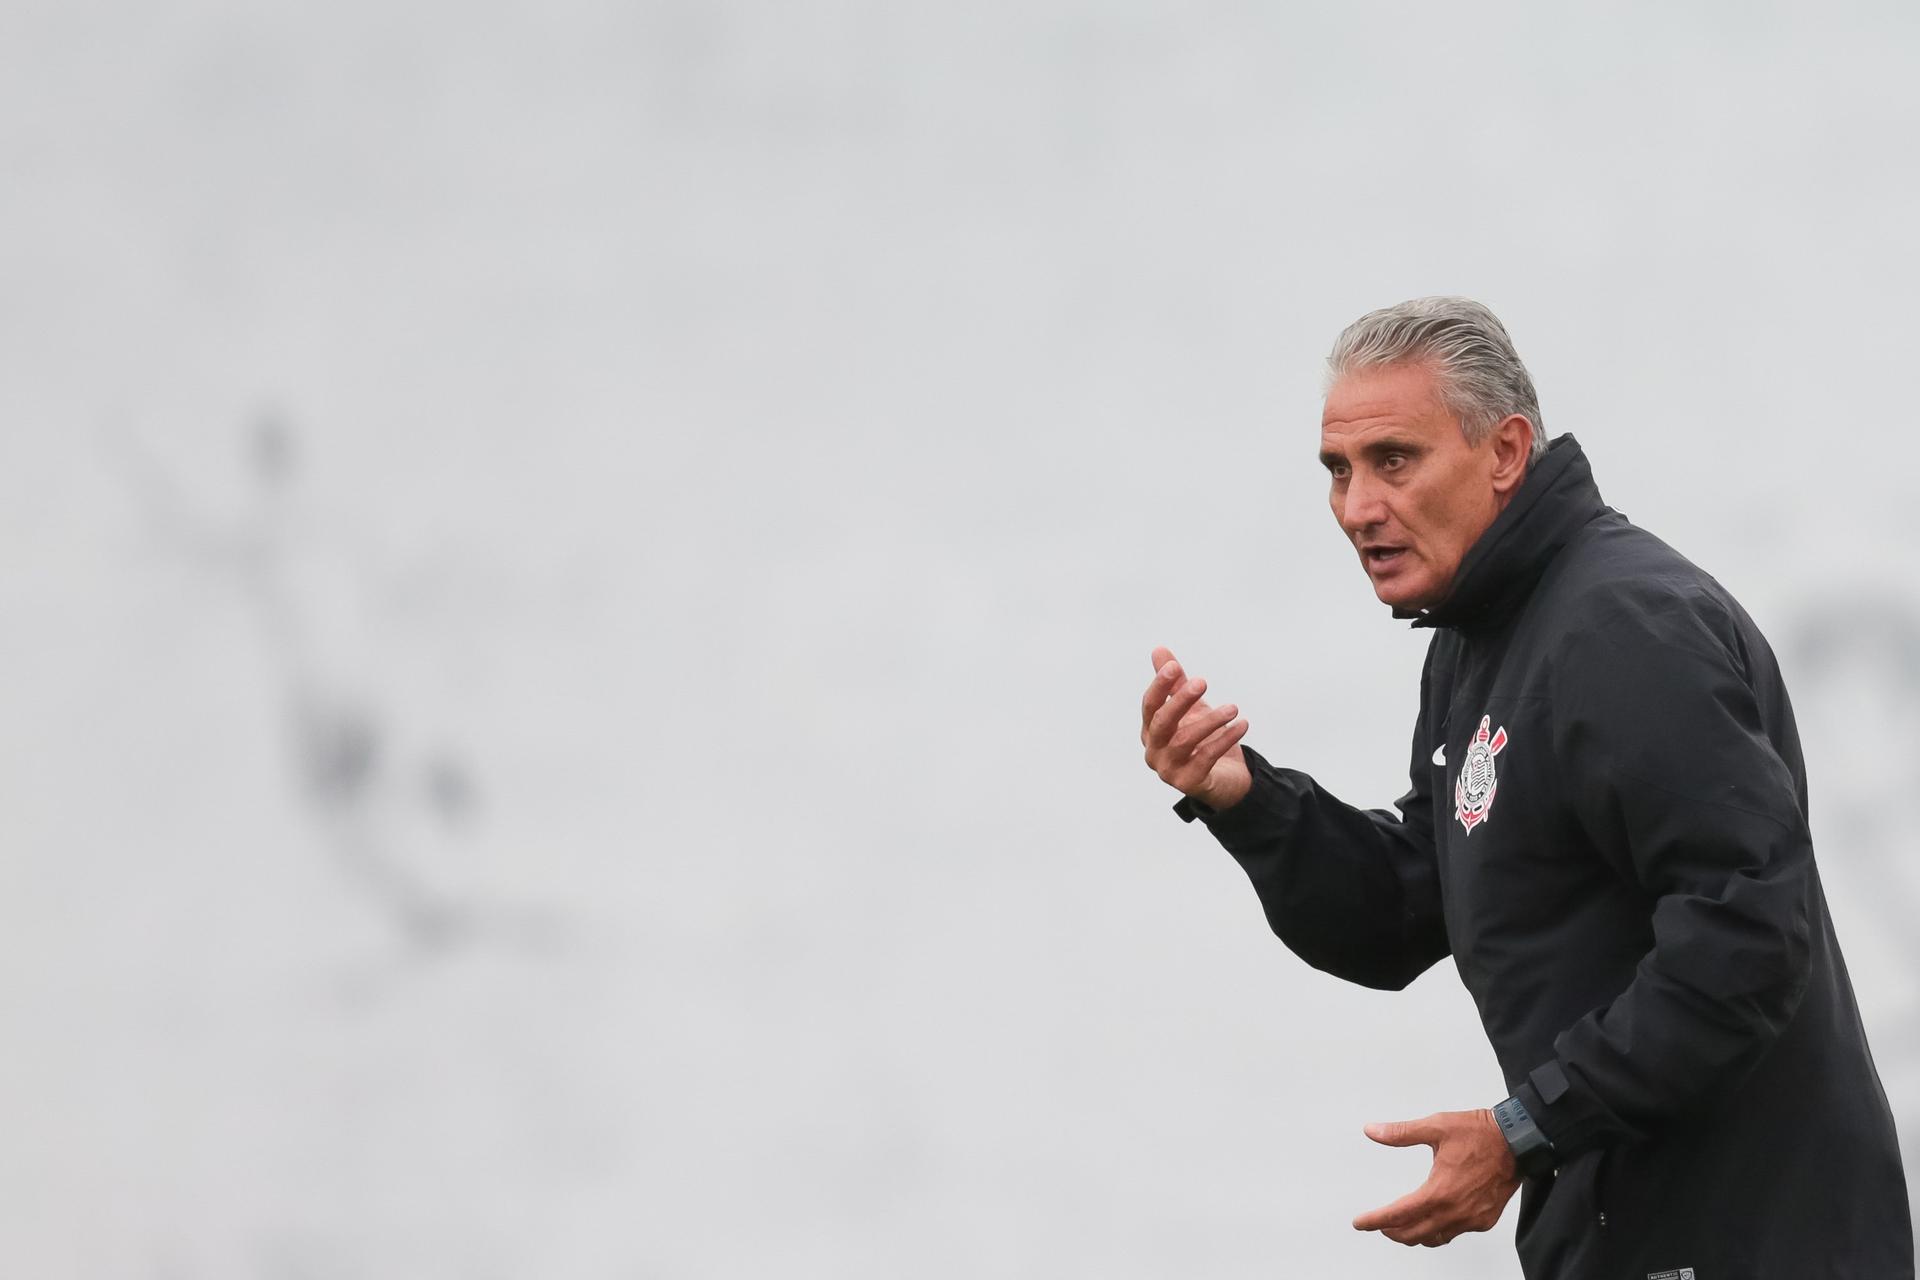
point(1440, 755)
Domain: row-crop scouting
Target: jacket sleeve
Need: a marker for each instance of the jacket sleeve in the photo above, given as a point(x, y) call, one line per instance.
point(1669, 768)
point(1353, 892)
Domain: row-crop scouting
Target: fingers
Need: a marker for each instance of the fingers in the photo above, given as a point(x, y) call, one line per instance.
point(1418, 1218)
point(1221, 740)
point(1165, 720)
point(1156, 694)
point(1173, 748)
point(1405, 1133)
point(1429, 1232)
point(1401, 1214)
point(1184, 719)
point(1166, 672)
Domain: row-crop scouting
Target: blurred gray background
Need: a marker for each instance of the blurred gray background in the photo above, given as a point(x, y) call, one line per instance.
point(576, 581)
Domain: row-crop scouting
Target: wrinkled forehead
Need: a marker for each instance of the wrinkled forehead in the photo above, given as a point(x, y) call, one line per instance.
point(1408, 391)
point(1396, 400)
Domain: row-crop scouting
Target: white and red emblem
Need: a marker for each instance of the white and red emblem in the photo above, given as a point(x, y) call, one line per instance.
point(1473, 790)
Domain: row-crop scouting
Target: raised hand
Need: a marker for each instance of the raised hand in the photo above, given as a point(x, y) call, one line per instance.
point(1194, 748)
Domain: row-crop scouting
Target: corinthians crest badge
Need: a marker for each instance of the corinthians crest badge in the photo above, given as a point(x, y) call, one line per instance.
point(1474, 788)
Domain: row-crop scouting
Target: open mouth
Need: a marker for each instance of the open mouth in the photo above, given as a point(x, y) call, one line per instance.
point(1382, 557)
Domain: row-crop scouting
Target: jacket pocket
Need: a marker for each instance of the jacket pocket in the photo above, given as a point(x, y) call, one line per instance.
point(1598, 1200)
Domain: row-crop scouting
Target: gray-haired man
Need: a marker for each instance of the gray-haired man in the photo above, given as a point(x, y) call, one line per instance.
point(1606, 828)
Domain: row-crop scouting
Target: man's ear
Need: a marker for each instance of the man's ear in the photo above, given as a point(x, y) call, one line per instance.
point(1512, 442)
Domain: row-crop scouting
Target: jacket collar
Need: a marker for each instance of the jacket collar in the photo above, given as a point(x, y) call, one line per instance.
point(1557, 498)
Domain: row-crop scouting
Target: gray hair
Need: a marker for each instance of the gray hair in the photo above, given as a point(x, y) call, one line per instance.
point(1481, 378)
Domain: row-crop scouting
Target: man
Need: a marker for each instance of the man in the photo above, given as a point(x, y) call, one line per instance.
point(1606, 829)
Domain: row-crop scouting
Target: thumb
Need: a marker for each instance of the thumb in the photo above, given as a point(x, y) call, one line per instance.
point(1400, 1133)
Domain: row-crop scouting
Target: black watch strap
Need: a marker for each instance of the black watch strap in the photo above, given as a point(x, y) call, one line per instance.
point(1532, 1151)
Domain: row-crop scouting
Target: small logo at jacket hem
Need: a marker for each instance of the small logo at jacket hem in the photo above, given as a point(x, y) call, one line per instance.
point(1684, 1273)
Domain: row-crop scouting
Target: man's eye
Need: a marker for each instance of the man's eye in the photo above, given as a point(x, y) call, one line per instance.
point(1339, 470)
point(1393, 462)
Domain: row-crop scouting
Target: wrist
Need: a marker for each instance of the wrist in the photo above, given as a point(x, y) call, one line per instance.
point(1533, 1152)
point(1226, 797)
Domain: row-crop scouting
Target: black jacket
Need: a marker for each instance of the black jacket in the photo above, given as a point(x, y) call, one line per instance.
point(1607, 830)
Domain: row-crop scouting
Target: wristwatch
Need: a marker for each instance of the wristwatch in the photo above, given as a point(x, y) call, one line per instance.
point(1533, 1153)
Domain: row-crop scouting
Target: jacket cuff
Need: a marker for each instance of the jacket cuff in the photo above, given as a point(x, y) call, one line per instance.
point(1569, 1118)
point(1246, 818)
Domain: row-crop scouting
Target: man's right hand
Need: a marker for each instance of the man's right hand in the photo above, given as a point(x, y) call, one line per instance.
point(1193, 747)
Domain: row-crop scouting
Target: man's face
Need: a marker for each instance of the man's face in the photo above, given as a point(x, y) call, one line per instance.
point(1410, 492)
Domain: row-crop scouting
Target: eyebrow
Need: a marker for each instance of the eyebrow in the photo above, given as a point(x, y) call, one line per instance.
point(1374, 449)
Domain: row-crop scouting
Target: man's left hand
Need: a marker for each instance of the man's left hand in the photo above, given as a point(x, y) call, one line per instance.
point(1472, 1179)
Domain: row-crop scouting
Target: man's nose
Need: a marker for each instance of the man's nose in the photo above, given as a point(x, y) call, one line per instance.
point(1363, 505)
